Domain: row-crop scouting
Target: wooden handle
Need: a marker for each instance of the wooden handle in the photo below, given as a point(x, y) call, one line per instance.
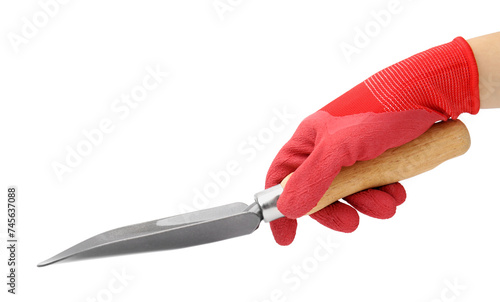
point(443, 141)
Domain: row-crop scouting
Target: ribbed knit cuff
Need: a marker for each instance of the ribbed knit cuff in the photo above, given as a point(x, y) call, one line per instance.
point(474, 75)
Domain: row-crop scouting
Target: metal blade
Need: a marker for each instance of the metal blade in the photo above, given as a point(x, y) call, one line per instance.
point(174, 232)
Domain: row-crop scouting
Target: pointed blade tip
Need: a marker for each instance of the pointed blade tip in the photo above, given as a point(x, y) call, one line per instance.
point(46, 262)
point(43, 263)
point(50, 261)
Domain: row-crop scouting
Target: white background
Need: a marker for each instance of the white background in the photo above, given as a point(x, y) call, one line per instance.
point(228, 74)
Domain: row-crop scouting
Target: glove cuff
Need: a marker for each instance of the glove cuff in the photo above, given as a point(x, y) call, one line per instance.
point(473, 106)
point(443, 79)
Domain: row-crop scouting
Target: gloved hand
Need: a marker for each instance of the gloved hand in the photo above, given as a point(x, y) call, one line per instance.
point(387, 110)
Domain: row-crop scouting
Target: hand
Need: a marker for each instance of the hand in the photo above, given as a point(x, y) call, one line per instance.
point(390, 108)
point(320, 147)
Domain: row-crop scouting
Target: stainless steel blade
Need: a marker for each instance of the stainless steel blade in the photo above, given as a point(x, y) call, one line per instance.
point(195, 228)
point(179, 231)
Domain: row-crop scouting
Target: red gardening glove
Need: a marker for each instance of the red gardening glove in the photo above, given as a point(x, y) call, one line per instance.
point(387, 110)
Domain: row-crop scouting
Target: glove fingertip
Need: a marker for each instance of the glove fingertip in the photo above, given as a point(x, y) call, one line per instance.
point(284, 230)
point(374, 203)
point(291, 206)
point(338, 217)
point(303, 191)
point(396, 190)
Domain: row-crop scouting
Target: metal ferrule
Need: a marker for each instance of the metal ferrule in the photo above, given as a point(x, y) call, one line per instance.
point(267, 200)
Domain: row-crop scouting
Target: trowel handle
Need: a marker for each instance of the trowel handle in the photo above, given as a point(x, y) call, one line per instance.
point(443, 141)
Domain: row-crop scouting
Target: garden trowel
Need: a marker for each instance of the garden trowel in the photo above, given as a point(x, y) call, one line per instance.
point(441, 142)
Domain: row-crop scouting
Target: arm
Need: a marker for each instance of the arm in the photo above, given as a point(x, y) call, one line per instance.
point(487, 53)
